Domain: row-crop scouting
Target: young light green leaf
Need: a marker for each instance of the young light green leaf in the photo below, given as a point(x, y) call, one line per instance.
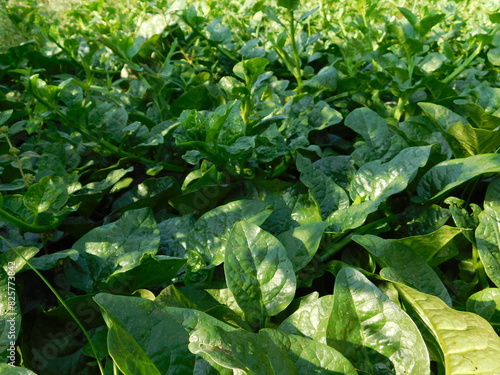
point(138, 329)
point(310, 320)
point(372, 331)
point(210, 234)
point(406, 263)
point(49, 192)
point(427, 246)
point(488, 242)
point(110, 247)
point(376, 181)
point(450, 174)
point(258, 272)
point(468, 342)
point(486, 303)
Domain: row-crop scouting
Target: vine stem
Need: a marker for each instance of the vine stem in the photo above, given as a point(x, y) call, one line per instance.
point(61, 301)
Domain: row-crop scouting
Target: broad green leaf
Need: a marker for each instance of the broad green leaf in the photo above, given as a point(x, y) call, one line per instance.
point(486, 303)
point(412, 19)
point(468, 342)
point(111, 247)
point(174, 235)
point(289, 4)
point(453, 127)
point(494, 56)
point(49, 261)
point(325, 191)
point(406, 263)
point(488, 241)
point(258, 272)
point(352, 217)
point(326, 79)
point(11, 370)
point(492, 197)
point(5, 115)
point(310, 320)
point(14, 258)
point(49, 192)
point(268, 352)
point(372, 331)
point(225, 125)
point(211, 231)
point(108, 118)
point(151, 271)
point(446, 176)
point(302, 242)
point(196, 98)
point(427, 246)
point(248, 352)
point(376, 181)
point(379, 142)
point(147, 338)
point(433, 61)
point(309, 356)
point(148, 193)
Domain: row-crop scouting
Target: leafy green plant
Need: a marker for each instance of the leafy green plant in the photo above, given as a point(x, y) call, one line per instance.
point(289, 187)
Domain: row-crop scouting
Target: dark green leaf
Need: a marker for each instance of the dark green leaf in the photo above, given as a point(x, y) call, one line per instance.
point(151, 271)
point(446, 176)
point(139, 347)
point(111, 247)
point(258, 272)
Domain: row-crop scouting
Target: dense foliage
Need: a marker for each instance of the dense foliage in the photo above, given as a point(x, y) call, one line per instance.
point(250, 188)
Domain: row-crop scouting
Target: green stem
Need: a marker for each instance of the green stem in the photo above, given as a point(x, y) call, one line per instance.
point(469, 60)
point(11, 219)
point(337, 246)
point(296, 55)
point(464, 65)
point(61, 301)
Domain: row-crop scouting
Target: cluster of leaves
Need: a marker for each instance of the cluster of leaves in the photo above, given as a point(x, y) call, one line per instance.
point(251, 188)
